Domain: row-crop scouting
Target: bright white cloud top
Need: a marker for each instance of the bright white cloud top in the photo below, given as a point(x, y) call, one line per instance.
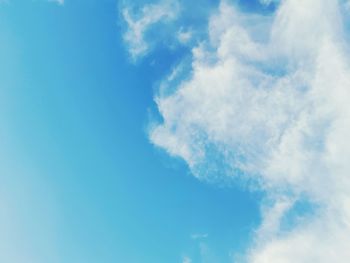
point(267, 100)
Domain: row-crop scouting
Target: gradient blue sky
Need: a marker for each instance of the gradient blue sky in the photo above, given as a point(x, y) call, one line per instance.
point(79, 180)
point(174, 131)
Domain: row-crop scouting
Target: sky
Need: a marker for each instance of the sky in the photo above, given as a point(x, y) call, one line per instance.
point(174, 131)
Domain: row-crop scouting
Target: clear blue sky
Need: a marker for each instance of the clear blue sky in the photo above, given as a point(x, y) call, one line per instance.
point(80, 181)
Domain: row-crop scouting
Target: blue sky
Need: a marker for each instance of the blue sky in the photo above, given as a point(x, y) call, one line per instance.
point(145, 132)
point(80, 180)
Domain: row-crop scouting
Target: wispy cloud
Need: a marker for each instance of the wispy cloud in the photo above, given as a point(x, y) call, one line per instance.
point(267, 100)
point(184, 36)
point(139, 23)
point(59, 2)
point(186, 260)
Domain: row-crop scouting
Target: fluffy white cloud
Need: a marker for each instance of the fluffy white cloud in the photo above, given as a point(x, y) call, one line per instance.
point(139, 23)
point(267, 100)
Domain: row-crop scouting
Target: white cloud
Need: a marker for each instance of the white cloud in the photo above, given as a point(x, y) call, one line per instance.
point(138, 24)
point(267, 100)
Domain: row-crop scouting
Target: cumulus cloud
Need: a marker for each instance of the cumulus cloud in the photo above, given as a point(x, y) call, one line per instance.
point(267, 100)
point(140, 22)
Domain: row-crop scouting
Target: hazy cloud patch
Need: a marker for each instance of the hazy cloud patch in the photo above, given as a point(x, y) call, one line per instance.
point(139, 23)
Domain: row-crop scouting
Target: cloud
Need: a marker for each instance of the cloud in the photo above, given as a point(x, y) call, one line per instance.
point(267, 100)
point(186, 260)
point(184, 36)
point(138, 24)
